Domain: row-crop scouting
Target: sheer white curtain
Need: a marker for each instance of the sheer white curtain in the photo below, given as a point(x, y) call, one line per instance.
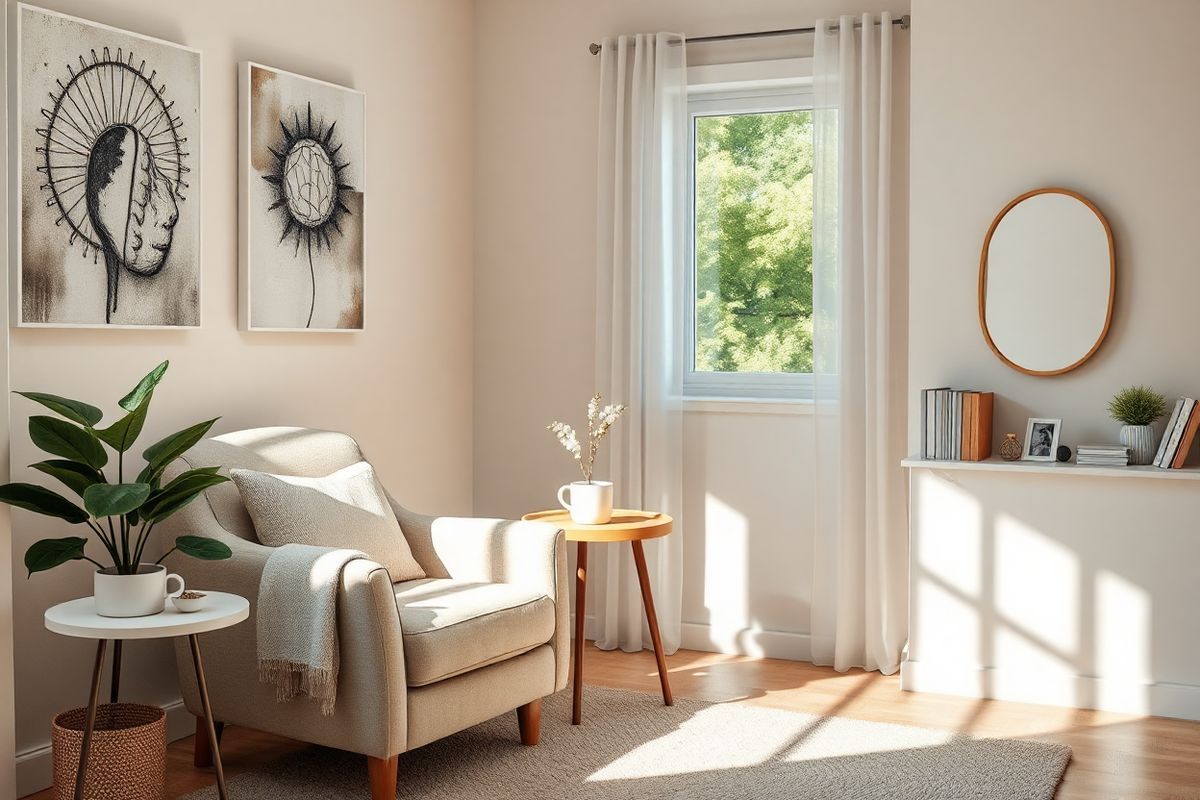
point(859, 607)
point(642, 173)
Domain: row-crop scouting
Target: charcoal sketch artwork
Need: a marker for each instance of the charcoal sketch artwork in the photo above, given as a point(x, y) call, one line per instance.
point(115, 175)
point(301, 177)
point(113, 162)
point(310, 188)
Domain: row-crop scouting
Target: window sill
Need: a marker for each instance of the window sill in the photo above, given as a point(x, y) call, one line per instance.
point(747, 405)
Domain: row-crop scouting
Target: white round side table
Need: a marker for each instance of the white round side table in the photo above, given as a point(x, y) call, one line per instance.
point(79, 618)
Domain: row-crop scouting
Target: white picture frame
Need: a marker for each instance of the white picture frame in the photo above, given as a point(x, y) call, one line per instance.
point(1041, 439)
point(59, 245)
point(258, 221)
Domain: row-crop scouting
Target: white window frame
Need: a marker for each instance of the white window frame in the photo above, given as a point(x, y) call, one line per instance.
point(720, 91)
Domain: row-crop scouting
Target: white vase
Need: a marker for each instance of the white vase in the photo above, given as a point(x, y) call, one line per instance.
point(139, 595)
point(1140, 441)
point(591, 503)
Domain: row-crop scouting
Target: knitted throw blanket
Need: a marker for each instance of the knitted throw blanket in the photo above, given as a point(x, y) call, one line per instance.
point(297, 621)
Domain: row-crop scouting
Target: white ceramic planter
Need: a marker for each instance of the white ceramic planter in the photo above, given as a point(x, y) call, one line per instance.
point(591, 503)
point(1140, 441)
point(139, 595)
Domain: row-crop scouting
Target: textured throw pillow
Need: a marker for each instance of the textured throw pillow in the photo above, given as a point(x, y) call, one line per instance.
point(346, 509)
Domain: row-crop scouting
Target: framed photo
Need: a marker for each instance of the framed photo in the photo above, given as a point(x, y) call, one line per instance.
point(301, 186)
point(107, 176)
point(1041, 439)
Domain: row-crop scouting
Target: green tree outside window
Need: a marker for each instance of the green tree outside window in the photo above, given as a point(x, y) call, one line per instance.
point(753, 248)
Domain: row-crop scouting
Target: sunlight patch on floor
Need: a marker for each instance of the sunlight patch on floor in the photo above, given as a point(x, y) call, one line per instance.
point(758, 735)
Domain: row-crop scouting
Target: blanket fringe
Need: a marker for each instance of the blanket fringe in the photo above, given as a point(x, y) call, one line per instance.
point(292, 679)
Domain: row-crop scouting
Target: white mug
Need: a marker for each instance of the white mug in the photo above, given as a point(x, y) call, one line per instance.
point(591, 503)
point(139, 595)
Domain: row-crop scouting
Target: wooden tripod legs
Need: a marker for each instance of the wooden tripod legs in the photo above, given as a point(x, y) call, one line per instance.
point(639, 560)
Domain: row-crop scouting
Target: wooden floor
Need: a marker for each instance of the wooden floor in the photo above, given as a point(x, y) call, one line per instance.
point(1115, 756)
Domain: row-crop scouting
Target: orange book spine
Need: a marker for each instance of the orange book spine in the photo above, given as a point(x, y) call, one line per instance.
point(1185, 444)
point(965, 443)
point(983, 425)
point(973, 452)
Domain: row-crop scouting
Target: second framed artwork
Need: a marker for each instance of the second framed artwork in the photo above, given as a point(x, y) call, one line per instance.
point(301, 185)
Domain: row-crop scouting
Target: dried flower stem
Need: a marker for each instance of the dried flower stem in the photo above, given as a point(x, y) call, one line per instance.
point(599, 420)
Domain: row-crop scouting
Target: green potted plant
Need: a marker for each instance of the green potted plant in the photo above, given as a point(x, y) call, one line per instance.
point(1137, 407)
point(121, 514)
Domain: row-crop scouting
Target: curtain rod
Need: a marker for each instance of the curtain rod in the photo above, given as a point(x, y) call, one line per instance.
point(904, 22)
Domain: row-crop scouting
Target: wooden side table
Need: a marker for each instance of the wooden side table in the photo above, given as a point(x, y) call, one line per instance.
point(79, 618)
point(626, 525)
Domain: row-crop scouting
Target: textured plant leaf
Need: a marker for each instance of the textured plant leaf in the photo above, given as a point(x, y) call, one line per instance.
point(61, 438)
point(121, 435)
point(75, 476)
point(169, 448)
point(178, 493)
point(49, 553)
point(114, 499)
point(1137, 405)
point(203, 548)
point(41, 500)
point(74, 410)
point(141, 393)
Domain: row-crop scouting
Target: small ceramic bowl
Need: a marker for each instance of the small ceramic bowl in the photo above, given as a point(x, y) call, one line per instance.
point(189, 602)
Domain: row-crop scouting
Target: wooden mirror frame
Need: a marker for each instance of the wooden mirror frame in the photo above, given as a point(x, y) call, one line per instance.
point(1112, 280)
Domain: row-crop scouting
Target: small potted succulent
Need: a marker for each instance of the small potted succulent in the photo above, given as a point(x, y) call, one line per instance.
point(591, 501)
point(1137, 407)
point(121, 514)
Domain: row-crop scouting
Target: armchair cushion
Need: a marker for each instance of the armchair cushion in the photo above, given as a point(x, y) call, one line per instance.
point(347, 509)
point(452, 626)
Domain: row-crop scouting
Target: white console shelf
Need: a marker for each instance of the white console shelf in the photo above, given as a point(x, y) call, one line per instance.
point(1078, 591)
point(994, 464)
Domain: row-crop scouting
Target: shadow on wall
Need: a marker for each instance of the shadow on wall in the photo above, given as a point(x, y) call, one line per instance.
point(998, 586)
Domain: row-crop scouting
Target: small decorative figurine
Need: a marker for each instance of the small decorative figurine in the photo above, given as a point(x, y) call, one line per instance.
point(1010, 448)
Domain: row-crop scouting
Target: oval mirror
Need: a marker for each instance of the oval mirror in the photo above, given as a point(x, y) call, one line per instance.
point(1047, 278)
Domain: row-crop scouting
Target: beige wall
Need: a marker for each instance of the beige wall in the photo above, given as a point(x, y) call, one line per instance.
point(1059, 589)
point(1074, 93)
point(403, 387)
point(747, 537)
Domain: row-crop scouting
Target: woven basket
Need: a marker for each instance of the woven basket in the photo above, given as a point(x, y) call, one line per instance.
point(127, 759)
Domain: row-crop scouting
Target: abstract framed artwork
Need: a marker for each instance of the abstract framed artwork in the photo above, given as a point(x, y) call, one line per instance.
point(108, 152)
point(301, 174)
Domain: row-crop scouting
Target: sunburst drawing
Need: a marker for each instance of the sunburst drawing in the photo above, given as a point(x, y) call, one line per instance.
point(113, 162)
point(308, 180)
point(302, 175)
point(111, 155)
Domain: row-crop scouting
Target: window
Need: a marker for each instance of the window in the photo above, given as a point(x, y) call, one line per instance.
point(749, 319)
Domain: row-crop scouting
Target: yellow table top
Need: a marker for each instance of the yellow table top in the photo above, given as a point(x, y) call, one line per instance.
point(626, 525)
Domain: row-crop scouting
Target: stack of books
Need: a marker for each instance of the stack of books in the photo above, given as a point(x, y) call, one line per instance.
point(956, 425)
point(1178, 435)
point(1102, 455)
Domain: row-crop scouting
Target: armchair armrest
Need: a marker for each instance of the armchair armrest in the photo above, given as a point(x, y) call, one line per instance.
point(530, 554)
point(240, 574)
point(371, 713)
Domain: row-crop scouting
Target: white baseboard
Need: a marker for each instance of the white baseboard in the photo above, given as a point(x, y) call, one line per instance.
point(1125, 696)
point(752, 642)
point(35, 767)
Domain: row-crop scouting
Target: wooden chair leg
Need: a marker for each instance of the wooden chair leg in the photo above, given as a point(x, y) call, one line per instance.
point(381, 774)
point(529, 720)
point(202, 755)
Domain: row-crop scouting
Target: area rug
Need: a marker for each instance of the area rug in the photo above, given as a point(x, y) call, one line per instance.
point(630, 746)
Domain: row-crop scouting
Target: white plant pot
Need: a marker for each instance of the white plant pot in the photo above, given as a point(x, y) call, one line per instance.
point(139, 595)
point(591, 503)
point(1140, 441)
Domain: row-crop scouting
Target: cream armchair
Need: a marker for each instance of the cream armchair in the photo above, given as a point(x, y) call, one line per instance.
point(485, 633)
